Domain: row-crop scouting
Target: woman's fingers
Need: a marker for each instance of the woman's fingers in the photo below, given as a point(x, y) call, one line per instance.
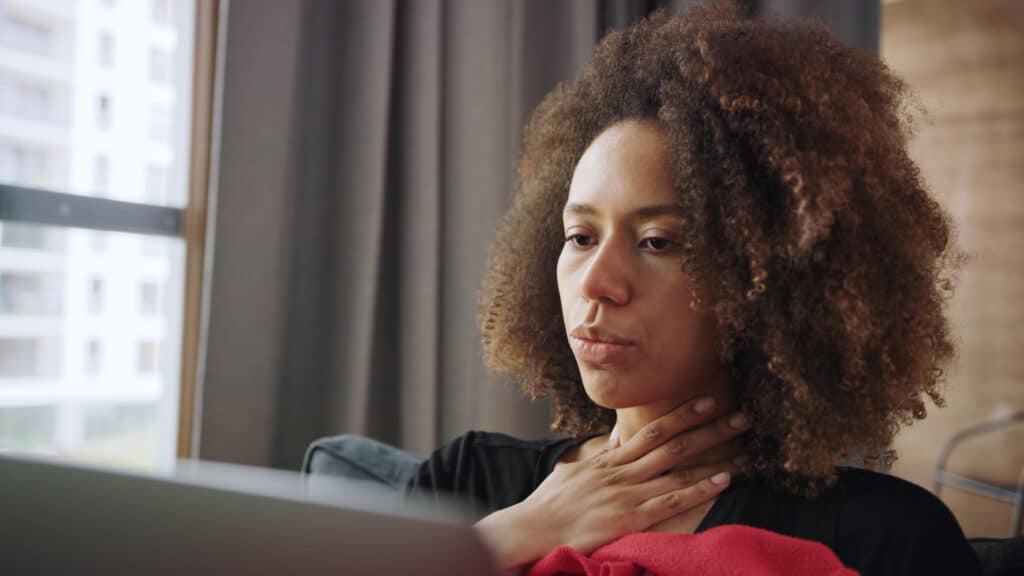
point(721, 453)
point(590, 502)
point(669, 503)
point(687, 447)
point(656, 433)
point(682, 478)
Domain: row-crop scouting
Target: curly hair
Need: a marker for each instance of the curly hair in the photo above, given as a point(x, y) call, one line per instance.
point(808, 229)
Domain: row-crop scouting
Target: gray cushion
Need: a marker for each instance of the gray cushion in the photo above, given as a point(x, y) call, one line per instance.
point(361, 459)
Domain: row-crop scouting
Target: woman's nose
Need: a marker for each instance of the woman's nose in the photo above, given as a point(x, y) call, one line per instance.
point(606, 276)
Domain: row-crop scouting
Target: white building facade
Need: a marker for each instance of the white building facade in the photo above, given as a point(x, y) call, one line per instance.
point(94, 100)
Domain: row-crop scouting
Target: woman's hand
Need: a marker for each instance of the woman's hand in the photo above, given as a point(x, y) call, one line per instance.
point(672, 465)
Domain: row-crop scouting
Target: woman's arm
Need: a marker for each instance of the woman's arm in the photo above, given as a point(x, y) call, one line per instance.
point(514, 545)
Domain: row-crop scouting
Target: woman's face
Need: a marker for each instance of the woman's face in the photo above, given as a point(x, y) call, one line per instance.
point(625, 298)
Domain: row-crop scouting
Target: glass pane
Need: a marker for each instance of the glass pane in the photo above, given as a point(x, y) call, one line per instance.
point(95, 97)
point(90, 344)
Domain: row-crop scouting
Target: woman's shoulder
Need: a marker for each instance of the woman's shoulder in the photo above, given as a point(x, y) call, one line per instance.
point(500, 440)
point(492, 469)
point(491, 445)
point(884, 502)
point(875, 522)
point(858, 500)
point(889, 522)
point(868, 487)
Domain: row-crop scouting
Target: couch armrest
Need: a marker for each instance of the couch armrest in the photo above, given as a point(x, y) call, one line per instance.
point(360, 458)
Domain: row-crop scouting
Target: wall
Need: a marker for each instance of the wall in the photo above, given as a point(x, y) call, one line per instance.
point(965, 60)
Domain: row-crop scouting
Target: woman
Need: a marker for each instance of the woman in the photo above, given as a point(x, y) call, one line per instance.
point(720, 214)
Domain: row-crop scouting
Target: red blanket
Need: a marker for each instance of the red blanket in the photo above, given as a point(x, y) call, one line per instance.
point(720, 551)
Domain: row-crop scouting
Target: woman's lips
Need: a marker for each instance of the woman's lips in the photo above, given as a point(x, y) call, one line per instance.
point(601, 353)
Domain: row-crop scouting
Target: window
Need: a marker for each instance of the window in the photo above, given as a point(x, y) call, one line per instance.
point(95, 305)
point(159, 124)
point(24, 166)
point(32, 102)
point(29, 427)
point(103, 112)
point(92, 318)
point(23, 35)
point(119, 421)
point(160, 11)
point(106, 50)
point(148, 298)
point(153, 248)
point(43, 348)
point(21, 293)
point(159, 66)
point(101, 175)
point(156, 184)
point(98, 241)
point(147, 361)
point(24, 99)
point(93, 358)
point(19, 357)
point(15, 235)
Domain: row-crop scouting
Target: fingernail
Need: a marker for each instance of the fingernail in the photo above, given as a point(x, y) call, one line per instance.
point(720, 478)
point(613, 438)
point(741, 460)
point(738, 420)
point(703, 405)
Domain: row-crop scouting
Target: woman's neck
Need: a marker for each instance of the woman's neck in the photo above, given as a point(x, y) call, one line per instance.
point(629, 421)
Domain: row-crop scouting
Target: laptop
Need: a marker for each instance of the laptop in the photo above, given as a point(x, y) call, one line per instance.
point(205, 518)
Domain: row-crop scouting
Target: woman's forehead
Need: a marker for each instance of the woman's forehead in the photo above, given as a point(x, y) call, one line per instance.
point(627, 166)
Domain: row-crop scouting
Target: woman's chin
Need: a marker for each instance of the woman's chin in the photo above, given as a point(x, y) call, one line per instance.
point(611, 395)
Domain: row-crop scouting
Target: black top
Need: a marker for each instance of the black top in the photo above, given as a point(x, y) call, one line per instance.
point(875, 523)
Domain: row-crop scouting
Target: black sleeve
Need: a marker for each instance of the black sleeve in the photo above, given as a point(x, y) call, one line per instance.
point(899, 528)
point(488, 471)
point(450, 471)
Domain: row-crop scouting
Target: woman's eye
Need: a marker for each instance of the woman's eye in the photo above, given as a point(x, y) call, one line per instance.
point(578, 240)
point(657, 244)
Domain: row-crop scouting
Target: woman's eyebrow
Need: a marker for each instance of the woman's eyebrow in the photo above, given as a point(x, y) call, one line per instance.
point(581, 209)
point(648, 212)
point(644, 213)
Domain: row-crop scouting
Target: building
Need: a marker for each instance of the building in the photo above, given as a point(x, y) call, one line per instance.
point(94, 101)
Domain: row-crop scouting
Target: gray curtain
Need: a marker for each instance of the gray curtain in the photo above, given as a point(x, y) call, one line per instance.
point(367, 149)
